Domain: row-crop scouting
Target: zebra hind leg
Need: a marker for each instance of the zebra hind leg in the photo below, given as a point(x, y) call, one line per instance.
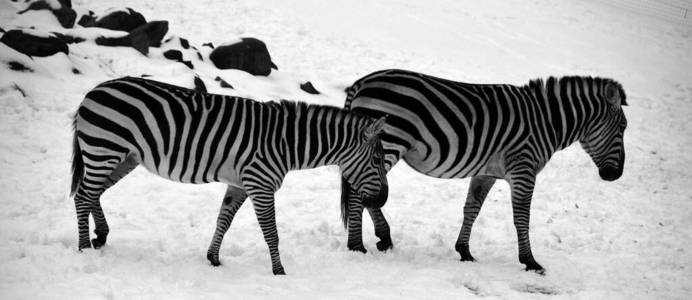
point(478, 190)
point(89, 182)
point(232, 200)
point(120, 171)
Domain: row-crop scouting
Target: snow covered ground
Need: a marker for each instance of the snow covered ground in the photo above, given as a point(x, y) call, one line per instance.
point(621, 240)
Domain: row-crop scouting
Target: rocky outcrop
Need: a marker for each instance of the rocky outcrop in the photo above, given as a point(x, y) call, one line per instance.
point(65, 14)
point(250, 55)
point(33, 45)
point(141, 38)
point(122, 20)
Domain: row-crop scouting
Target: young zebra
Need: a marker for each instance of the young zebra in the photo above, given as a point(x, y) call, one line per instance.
point(449, 129)
point(193, 137)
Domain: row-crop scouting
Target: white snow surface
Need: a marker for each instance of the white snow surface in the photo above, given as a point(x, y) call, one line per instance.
point(628, 239)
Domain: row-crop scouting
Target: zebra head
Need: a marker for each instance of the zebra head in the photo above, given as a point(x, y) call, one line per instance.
point(603, 140)
point(365, 170)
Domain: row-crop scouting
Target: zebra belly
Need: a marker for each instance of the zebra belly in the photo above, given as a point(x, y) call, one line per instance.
point(194, 172)
point(494, 166)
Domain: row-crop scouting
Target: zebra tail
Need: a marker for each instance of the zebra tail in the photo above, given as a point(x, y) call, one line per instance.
point(77, 163)
point(345, 190)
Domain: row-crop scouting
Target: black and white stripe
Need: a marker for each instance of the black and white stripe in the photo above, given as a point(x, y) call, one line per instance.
point(193, 137)
point(450, 129)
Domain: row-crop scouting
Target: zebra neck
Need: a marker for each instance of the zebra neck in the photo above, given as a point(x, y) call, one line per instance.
point(317, 135)
point(568, 107)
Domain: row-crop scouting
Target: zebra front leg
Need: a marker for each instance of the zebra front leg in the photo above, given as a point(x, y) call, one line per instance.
point(232, 201)
point(522, 190)
point(478, 190)
point(263, 202)
point(381, 229)
point(355, 224)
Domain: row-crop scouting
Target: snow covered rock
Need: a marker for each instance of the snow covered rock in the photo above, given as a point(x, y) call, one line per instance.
point(309, 88)
point(250, 55)
point(155, 31)
point(223, 83)
point(125, 19)
point(137, 40)
point(141, 38)
point(174, 55)
point(33, 45)
point(62, 10)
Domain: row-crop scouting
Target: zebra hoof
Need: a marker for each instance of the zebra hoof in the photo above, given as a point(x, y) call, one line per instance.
point(532, 265)
point(467, 258)
point(98, 243)
point(279, 271)
point(213, 259)
point(465, 253)
point(360, 249)
point(84, 245)
point(535, 267)
point(384, 245)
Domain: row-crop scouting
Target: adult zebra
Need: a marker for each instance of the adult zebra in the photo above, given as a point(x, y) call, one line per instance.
point(193, 137)
point(449, 129)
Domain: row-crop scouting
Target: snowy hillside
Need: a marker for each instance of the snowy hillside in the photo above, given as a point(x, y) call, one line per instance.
point(598, 240)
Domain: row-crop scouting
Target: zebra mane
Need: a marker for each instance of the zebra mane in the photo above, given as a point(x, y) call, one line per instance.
point(539, 85)
point(302, 108)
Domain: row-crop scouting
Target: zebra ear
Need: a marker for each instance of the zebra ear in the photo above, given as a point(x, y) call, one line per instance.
point(375, 128)
point(612, 94)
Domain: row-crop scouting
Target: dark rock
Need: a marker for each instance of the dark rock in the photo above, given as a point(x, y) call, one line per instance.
point(309, 88)
point(66, 3)
point(76, 71)
point(250, 55)
point(184, 43)
point(210, 45)
point(199, 55)
point(274, 66)
point(173, 55)
point(33, 45)
point(199, 85)
point(139, 41)
point(68, 38)
point(38, 5)
point(141, 38)
point(188, 64)
point(87, 20)
point(155, 31)
point(223, 83)
point(17, 66)
point(123, 20)
point(145, 75)
point(65, 14)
